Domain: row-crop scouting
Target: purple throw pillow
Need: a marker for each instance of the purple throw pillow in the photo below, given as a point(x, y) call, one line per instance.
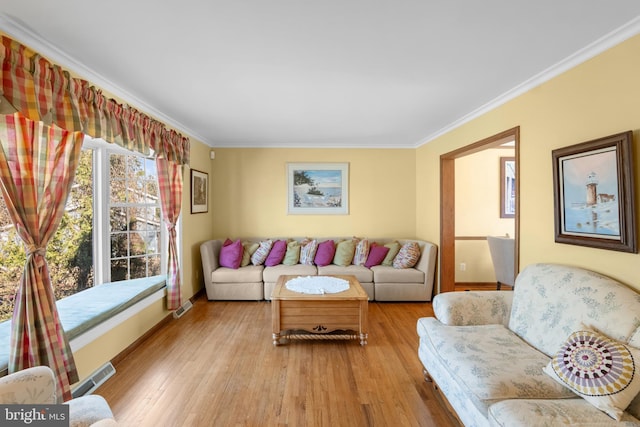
point(276, 255)
point(231, 254)
point(376, 255)
point(324, 254)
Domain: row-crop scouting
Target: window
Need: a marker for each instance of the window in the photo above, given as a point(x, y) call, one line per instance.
point(111, 230)
point(134, 217)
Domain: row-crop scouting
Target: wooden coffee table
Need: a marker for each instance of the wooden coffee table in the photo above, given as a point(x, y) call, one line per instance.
point(297, 315)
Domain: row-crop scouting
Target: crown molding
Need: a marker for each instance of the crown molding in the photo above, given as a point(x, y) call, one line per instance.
point(602, 44)
point(17, 29)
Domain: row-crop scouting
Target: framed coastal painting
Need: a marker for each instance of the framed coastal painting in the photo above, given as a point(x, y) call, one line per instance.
point(594, 194)
point(199, 191)
point(318, 188)
point(507, 187)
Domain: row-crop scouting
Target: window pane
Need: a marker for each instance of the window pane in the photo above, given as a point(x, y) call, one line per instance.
point(117, 166)
point(136, 218)
point(153, 243)
point(155, 268)
point(152, 190)
point(150, 169)
point(119, 245)
point(138, 267)
point(118, 219)
point(137, 244)
point(117, 191)
point(119, 270)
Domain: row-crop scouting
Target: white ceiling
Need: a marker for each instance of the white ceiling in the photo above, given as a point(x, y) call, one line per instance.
point(325, 73)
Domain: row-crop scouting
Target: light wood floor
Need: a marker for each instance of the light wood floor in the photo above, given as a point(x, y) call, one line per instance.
point(217, 366)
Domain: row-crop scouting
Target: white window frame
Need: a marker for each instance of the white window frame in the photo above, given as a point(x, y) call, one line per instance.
point(101, 225)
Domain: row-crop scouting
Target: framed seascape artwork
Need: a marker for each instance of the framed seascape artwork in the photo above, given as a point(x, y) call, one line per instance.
point(199, 191)
point(318, 188)
point(594, 194)
point(507, 187)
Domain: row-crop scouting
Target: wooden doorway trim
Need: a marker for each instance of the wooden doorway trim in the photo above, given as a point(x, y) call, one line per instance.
point(447, 202)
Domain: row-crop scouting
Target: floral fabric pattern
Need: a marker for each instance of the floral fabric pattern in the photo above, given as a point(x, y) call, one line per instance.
point(552, 301)
point(486, 351)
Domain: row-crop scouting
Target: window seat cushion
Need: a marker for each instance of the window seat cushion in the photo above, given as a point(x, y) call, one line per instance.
point(86, 309)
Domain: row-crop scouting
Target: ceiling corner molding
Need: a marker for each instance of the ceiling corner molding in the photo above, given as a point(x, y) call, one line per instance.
point(14, 28)
point(599, 46)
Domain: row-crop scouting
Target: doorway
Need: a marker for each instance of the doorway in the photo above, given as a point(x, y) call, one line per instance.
point(448, 205)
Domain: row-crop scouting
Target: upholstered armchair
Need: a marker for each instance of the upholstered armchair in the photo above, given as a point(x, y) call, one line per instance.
point(37, 385)
point(502, 251)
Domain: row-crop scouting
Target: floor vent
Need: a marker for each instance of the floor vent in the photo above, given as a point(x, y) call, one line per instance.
point(94, 381)
point(182, 309)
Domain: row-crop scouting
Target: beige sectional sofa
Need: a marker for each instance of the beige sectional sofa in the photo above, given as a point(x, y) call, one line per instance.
point(381, 282)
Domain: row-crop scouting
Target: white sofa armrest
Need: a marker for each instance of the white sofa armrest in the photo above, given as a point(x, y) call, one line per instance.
point(210, 252)
point(473, 308)
point(34, 385)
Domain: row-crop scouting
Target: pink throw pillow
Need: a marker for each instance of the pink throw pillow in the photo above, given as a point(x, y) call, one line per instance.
point(324, 254)
point(376, 255)
point(231, 254)
point(276, 255)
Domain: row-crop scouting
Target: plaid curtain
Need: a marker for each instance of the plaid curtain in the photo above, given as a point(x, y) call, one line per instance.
point(43, 91)
point(37, 166)
point(170, 184)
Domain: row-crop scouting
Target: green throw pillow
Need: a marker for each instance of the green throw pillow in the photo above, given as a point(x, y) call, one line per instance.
point(394, 248)
point(292, 255)
point(344, 252)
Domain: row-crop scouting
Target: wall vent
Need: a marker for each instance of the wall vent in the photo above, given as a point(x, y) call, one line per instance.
point(182, 309)
point(94, 381)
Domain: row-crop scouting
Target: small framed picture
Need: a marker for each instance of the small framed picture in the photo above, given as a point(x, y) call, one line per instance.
point(199, 191)
point(594, 194)
point(507, 187)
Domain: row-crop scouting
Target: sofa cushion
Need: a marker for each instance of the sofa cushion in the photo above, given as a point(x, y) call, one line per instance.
point(249, 249)
point(551, 301)
point(490, 362)
point(292, 256)
point(376, 255)
point(324, 254)
point(394, 248)
point(362, 252)
point(261, 254)
point(408, 255)
point(344, 252)
point(308, 251)
point(386, 274)
point(558, 412)
point(601, 370)
point(231, 254)
point(271, 274)
point(362, 273)
point(276, 254)
point(248, 274)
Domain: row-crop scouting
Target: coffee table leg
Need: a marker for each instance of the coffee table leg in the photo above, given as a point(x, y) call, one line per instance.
point(363, 339)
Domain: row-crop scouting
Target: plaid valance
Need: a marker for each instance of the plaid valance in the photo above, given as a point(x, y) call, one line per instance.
point(45, 92)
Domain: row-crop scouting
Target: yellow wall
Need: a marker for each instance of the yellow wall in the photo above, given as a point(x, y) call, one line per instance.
point(597, 98)
point(478, 212)
point(250, 193)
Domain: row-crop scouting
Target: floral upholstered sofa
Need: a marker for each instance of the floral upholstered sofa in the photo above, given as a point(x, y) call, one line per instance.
point(561, 349)
point(387, 269)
